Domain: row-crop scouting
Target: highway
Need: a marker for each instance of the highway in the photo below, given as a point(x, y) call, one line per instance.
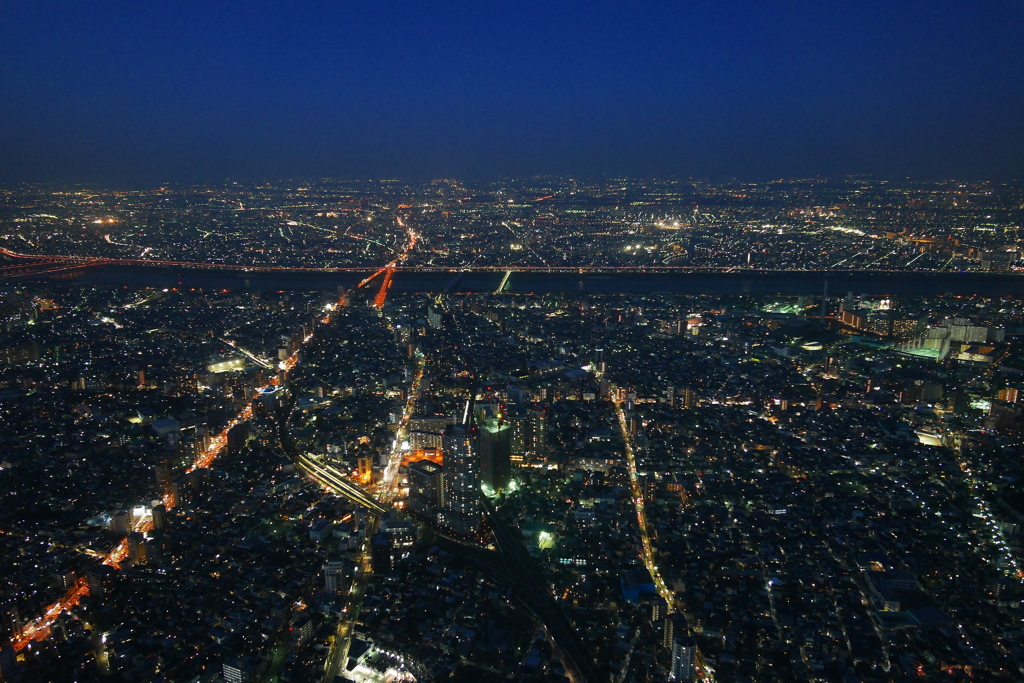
point(46, 267)
point(389, 269)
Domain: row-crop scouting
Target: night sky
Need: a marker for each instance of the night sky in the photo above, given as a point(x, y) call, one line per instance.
point(140, 92)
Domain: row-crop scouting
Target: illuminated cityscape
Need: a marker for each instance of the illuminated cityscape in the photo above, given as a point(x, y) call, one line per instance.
point(246, 483)
point(511, 342)
point(533, 224)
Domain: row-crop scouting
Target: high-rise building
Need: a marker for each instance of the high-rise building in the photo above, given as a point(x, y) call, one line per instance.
point(684, 651)
point(483, 410)
point(380, 553)
point(905, 329)
point(301, 630)
point(239, 437)
point(434, 317)
point(461, 510)
point(659, 608)
point(137, 548)
point(426, 489)
point(163, 475)
point(102, 580)
point(666, 640)
point(495, 439)
point(333, 576)
point(121, 523)
point(240, 670)
point(159, 517)
point(516, 418)
point(10, 619)
point(537, 434)
point(880, 324)
point(178, 490)
point(365, 465)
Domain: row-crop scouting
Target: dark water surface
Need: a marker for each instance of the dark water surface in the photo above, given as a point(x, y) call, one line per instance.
point(755, 282)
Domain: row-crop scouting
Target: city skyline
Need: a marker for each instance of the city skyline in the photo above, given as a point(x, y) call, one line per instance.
point(370, 401)
point(544, 224)
point(404, 342)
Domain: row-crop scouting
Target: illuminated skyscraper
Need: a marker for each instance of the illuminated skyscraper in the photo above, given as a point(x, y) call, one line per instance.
point(461, 511)
point(684, 651)
point(537, 434)
point(517, 421)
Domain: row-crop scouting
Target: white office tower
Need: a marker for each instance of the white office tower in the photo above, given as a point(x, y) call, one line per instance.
point(684, 651)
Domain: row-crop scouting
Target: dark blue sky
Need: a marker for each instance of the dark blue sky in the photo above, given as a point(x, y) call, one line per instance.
point(178, 91)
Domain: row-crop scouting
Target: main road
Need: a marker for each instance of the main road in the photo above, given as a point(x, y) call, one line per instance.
point(385, 495)
point(647, 548)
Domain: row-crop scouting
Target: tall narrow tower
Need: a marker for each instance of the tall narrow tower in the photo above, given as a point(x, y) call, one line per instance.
point(461, 511)
point(496, 453)
point(684, 651)
point(537, 434)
